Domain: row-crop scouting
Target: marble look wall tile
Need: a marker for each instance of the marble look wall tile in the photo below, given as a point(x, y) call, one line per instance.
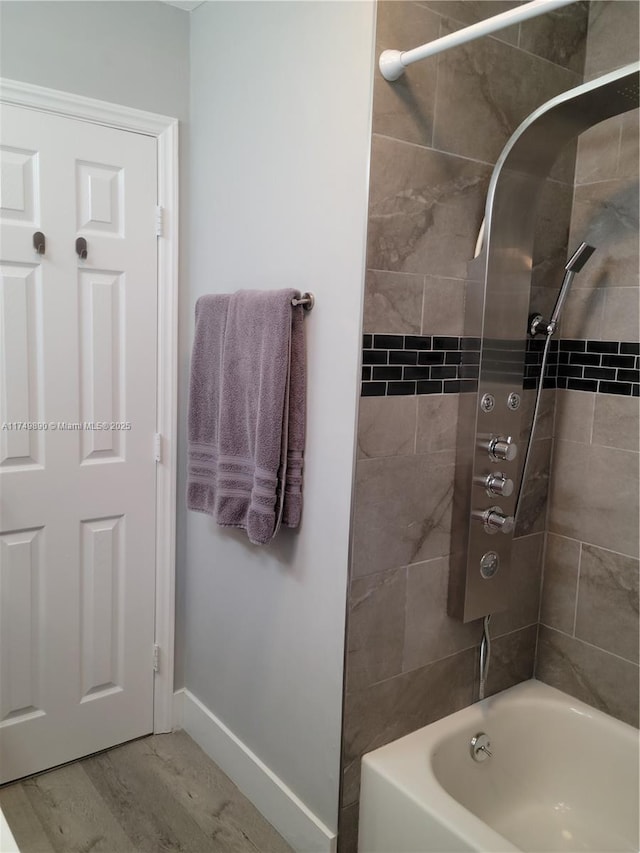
point(613, 36)
point(348, 829)
point(402, 512)
point(553, 218)
point(546, 414)
point(386, 426)
point(605, 214)
point(443, 312)
point(465, 12)
point(393, 708)
point(533, 506)
point(376, 628)
point(596, 677)
point(429, 633)
point(629, 145)
point(481, 99)
point(574, 415)
point(404, 108)
point(598, 150)
point(425, 209)
point(583, 312)
point(607, 612)
point(594, 496)
point(559, 36)
point(621, 317)
point(560, 583)
point(512, 659)
point(524, 592)
point(437, 422)
point(393, 302)
point(616, 422)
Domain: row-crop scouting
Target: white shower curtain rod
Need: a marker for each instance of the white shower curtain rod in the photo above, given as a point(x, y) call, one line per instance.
point(393, 62)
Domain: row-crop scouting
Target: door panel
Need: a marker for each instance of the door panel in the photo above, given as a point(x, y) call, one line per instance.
point(77, 502)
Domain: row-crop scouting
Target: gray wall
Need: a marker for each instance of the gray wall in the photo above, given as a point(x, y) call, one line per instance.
point(280, 106)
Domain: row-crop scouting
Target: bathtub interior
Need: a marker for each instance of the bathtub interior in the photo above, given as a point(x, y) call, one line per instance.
point(561, 776)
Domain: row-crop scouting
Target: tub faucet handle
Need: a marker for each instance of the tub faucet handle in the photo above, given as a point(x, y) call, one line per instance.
point(479, 747)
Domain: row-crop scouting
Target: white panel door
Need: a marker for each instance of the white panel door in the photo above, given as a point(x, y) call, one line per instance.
point(77, 502)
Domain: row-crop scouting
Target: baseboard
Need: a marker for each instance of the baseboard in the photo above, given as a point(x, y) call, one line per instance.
point(269, 794)
point(177, 713)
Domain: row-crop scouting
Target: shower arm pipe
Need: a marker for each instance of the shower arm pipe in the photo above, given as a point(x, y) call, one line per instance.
point(393, 62)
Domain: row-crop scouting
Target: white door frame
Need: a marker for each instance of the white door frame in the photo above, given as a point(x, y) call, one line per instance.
point(165, 130)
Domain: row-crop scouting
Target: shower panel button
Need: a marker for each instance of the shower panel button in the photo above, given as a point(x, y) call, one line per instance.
point(513, 401)
point(489, 564)
point(497, 484)
point(502, 449)
point(494, 520)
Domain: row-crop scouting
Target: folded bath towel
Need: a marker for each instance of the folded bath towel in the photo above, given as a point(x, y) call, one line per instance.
point(247, 411)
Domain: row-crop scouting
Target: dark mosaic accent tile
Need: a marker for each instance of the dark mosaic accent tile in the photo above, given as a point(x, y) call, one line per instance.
point(627, 361)
point(418, 341)
point(403, 356)
point(573, 346)
point(366, 373)
point(629, 348)
point(401, 388)
point(453, 358)
point(628, 376)
point(374, 389)
point(561, 382)
point(582, 385)
point(388, 341)
point(470, 357)
point(615, 388)
point(417, 373)
point(470, 343)
point(606, 373)
point(602, 346)
point(529, 384)
point(429, 387)
point(468, 371)
point(387, 374)
point(446, 343)
point(591, 359)
point(371, 356)
point(367, 341)
point(443, 372)
point(431, 358)
point(635, 390)
point(467, 385)
point(452, 386)
point(570, 371)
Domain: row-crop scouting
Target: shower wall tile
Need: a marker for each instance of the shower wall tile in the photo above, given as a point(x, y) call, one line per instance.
point(390, 709)
point(613, 36)
point(376, 617)
point(425, 209)
point(605, 214)
point(480, 103)
point(583, 312)
point(607, 611)
point(600, 679)
point(402, 511)
point(560, 588)
point(404, 109)
point(512, 659)
point(546, 414)
point(574, 415)
point(628, 161)
point(599, 151)
point(616, 422)
point(559, 36)
point(465, 12)
point(532, 514)
point(430, 634)
point(443, 310)
point(437, 423)
point(386, 426)
point(393, 302)
point(524, 591)
point(594, 496)
point(621, 315)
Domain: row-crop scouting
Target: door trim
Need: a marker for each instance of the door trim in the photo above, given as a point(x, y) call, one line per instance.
point(165, 130)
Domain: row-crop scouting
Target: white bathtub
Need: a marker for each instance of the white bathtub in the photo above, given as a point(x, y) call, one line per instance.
point(562, 777)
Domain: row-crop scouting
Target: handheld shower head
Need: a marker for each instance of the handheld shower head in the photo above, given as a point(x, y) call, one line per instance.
point(579, 257)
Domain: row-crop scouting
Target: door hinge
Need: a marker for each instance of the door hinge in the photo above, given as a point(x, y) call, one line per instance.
point(159, 220)
point(157, 447)
point(156, 657)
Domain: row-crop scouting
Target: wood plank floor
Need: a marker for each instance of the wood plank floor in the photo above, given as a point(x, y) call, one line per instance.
point(160, 793)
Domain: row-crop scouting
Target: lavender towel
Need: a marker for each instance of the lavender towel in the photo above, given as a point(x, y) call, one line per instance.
point(246, 419)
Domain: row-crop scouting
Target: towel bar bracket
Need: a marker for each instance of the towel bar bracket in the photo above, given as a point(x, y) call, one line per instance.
point(307, 300)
